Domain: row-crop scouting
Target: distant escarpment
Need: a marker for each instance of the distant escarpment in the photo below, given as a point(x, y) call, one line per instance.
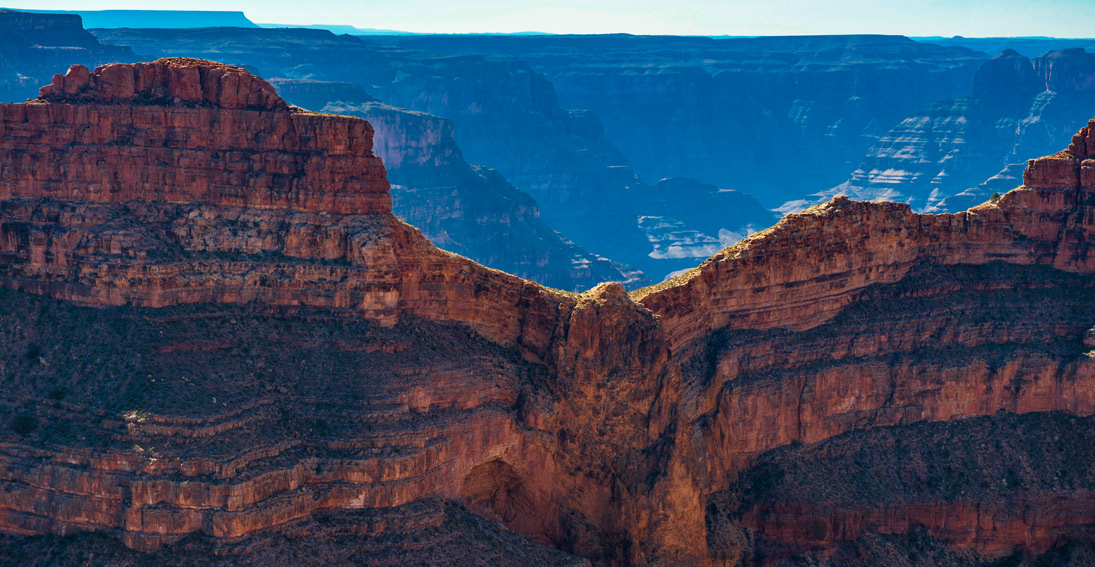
point(508, 117)
point(731, 111)
point(33, 46)
point(245, 356)
point(939, 159)
point(468, 209)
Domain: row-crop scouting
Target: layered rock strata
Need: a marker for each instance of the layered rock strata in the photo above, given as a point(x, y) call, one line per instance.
point(982, 483)
point(1017, 108)
point(507, 117)
point(725, 110)
point(311, 243)
point(146, 169)
point(228, 140)
point(237, 368)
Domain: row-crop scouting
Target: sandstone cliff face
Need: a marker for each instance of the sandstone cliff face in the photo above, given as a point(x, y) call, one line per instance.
point(227, 370)
point(474, 419)
point(184, 193)
point(755, 284)
point(742, 325)
point(102, 154)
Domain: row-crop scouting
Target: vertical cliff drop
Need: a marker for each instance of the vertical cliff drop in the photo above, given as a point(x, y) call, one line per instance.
point(218, 340)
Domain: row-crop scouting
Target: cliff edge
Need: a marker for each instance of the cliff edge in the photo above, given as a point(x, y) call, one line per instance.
point(217, 338)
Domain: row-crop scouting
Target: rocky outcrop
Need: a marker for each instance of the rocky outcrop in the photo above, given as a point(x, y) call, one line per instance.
point(203, 373)
point(1007, 82)
point(136, 141)
point(251, 446)
point(1039, 223)
point(297, 160)
point(33, 46)
point(754, 326)
point(1067, 70)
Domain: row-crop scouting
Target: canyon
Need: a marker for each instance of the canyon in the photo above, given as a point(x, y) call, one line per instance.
point(719, 111)
point(472, 210)
point(220, 343)
point(33, 46)
point(721, 114)
point(773, 117)
point(506, 116)
point(1017, 107)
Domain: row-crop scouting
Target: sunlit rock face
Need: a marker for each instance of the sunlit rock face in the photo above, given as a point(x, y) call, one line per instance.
point(246, 356)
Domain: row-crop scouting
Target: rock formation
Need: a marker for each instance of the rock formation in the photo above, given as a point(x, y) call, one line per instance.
point(471, 210)
point(268, 360)
point(1018, 107)
point(775, 117)
point(505, 116)
point(34, 46)
point(300, 224)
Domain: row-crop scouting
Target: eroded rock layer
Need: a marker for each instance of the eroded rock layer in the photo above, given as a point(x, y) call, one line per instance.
point(229, 366)
point(225, 463)
point(185, 131)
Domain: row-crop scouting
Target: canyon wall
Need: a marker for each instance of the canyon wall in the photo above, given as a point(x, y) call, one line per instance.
point(588, 126)
point(211, 155)
point(430, 375)
point(270, 356)
point(853, 316)
point(472, 210)
point(1017, 107)
point(505, 116)
point(728, 111)
point(34, 46)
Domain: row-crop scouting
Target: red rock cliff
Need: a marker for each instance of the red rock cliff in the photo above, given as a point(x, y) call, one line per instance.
point(205, 158)
point(180, 130)
point(817, 327)
point(282, 349)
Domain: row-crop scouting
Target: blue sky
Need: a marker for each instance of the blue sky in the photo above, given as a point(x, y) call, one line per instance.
point(971, 18)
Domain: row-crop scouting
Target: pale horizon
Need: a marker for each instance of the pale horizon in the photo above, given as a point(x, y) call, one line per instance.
point(925, 18)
